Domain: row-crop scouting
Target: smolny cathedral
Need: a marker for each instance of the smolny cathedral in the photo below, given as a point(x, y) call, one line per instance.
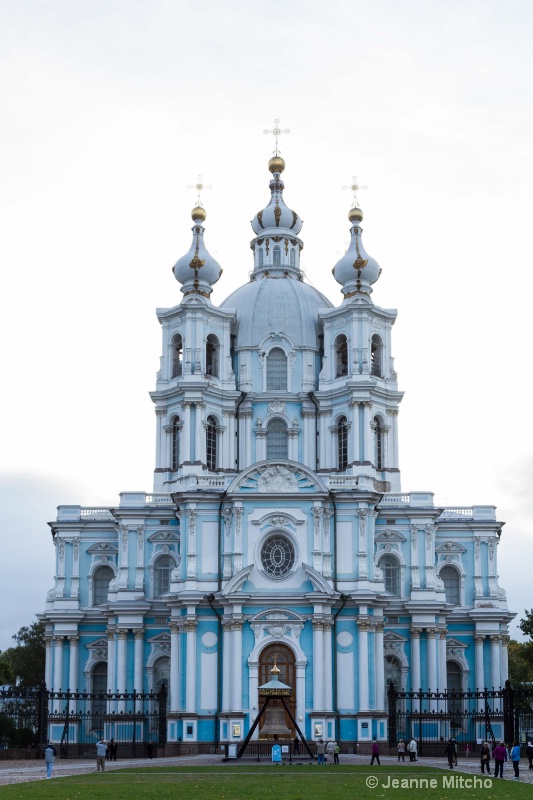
point(277, 529)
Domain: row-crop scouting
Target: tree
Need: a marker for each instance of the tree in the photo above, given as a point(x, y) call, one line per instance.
point(520, 662)
point(526, 625)
point(23, 665)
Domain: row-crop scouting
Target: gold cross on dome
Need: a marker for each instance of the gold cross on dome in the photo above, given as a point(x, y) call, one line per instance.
point(199, 186)
point(354, 187)
point(276, 131)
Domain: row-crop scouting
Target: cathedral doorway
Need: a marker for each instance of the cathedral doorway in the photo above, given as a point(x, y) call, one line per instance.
point(283, 656)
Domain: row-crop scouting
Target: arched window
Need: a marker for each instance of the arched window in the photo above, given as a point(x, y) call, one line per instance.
point(454, 684)
point(176, 443)
point(102, 577)
point(161, 674)
point(99, 689)
point(211, 355)
point(260, 257)
point(276, 370)
point(376, 356)
point(342, 443)
point(378, 443)
point(163, 567)
point(177, 356)
point(391, 574)
point(341, 356)
point(211, 443)
point(393, 674)
point(277, 440)
point(276, 256)
point(450, 577)
point(292, 257)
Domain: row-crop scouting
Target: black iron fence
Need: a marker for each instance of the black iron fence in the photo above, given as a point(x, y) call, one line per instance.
point(136, 722)
point(468, 717)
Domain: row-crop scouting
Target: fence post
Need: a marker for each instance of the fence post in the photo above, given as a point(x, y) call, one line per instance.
point(508, 712)
point(392, 697)
point(163, 715)
point(42, 714)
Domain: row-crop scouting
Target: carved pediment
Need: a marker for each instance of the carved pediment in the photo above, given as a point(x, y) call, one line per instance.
point(393, 638)
point(450, 547)
point(281, 614)
point(103, 547)
point(277, 477)
point(389, 536)
point(161, 638)
point(163, 536)
point(97, 644)
point(454, 644)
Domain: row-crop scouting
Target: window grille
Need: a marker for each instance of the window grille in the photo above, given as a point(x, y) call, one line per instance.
point(276, 370)
point(341, 351)
point(211, 444)
point(277, 440)
point(102, 577)
point(391, 574)
point(162, 569)
point(176, 443)
point(342, 443)
point(450, 578)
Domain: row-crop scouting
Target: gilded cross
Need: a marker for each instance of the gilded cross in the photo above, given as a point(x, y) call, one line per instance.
point(199, 186)
point(276, 131)
point(354, 187)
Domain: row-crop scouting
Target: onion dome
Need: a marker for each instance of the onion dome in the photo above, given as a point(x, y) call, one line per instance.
point(276, 216)
point(197, 270)
point(356, 271)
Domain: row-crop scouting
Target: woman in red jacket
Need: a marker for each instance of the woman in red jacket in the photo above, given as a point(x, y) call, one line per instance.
point(500, 756)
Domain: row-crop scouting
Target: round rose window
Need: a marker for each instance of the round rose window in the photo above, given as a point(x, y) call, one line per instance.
point(277, 556)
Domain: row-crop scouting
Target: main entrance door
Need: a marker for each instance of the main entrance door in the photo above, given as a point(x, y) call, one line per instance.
point(284, 658)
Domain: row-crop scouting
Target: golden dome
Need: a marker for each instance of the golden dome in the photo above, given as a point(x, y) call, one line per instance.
point(198, 214)
point(355, 214)
point(276, 164)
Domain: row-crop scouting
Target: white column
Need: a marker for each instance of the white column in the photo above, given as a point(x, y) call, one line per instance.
point(354, 453)
point(322, 439)
point(48, 663)
point(318, 665)
point(328, 666)
point(121, 661)
point(190, 675)
point(247, 449)
point(480, 670)
point(300, 693)
point(495, 661)
point(58, 664)
point(379, 660)
point(138, 665)
point(161, 459)
point(232, 440)
point(260, 444)
point(393, 460)
point(75, 580)
point(174, 666)
point(505, 660)
point(111, 685)
point(226, 664)
point(255, 702)
point(293, 444)
point(199, 441)
point(442, 681)
point(367, 432)
point(432, 664)
point(415, 665)
point(236, 658)
point(186, 432)
point(362, 641)
point(73, 664)
point(415, 571)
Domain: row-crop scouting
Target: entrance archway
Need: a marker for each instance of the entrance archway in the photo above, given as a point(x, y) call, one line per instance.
point(286, 663)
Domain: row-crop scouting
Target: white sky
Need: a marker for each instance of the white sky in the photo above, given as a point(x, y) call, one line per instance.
point(109, 108)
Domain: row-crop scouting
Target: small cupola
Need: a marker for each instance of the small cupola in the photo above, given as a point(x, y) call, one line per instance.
point(197, 271)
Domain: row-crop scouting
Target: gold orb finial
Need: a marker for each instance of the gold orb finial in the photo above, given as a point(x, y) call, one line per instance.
point(276, 164)
point(275, 669)
point(198, 214)
point(355, 214)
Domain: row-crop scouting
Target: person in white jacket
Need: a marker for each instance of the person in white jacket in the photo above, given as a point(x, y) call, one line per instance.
point(101, 747)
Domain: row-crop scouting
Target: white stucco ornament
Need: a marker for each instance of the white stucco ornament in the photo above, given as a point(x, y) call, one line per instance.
point(277, 479)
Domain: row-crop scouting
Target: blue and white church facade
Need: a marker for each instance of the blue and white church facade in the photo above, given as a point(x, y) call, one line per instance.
point(277, 527)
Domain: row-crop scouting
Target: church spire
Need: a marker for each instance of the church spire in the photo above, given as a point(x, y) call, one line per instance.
point(197, 271)
point(356, 271)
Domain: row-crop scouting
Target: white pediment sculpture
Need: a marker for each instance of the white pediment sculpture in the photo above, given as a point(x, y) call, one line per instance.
point(277, 625)
point(277, 477)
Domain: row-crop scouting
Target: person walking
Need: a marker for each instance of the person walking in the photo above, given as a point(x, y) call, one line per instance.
point(412, 747)
point(101, 747)
point(49, 754)
point(529, 754)
point(375, 753)
point(296, 746)
point(112, 750)
point(150, 749)
point(336, 752)
point(454, 751)
point(450, 753)
point(515, 758)
point(500, 755)
point(484, 755)
point(401, 750)
point(320, 751)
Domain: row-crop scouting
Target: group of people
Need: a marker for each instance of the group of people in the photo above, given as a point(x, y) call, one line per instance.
point(330, 748)
point(501, 754)
point(411, 747)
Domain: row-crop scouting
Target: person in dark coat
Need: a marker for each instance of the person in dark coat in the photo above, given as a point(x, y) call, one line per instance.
point(150, 749)
point(529, 754)
point(375, 753)
point(500, 756)
point(449, 752)
point(112, 747)
point(484, 755)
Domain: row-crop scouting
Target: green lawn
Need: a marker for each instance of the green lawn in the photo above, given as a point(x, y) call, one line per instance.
point(262, 781)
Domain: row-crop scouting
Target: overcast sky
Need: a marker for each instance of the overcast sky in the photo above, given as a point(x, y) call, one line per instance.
point(110, 108)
